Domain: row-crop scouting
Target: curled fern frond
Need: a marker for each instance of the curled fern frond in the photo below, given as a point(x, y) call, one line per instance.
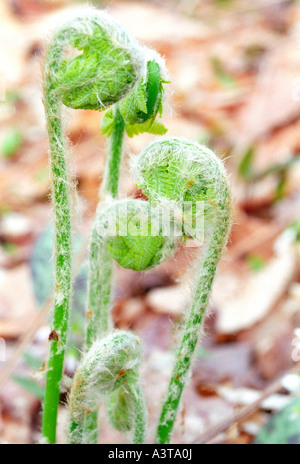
point(110, 365)
point(179, 170)
point(101, 63)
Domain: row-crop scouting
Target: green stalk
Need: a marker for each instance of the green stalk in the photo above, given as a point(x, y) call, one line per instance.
point(61, 192)
point(112, 170)
point(140, 414)
point(99, 298)
point(191, 334)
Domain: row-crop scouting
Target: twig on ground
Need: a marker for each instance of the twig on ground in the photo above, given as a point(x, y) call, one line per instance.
point(247, 410)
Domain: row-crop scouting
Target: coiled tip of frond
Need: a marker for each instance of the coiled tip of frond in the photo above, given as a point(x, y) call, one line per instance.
point(107, 365)
point(105, 64)
point(181, 170)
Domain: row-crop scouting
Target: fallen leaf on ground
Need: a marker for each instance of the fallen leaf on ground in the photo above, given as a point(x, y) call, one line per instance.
point(249, 298)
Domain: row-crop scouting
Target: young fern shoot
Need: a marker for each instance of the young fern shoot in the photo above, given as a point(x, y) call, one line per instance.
point(106, 70)
point(109, 371)
point(179, 170)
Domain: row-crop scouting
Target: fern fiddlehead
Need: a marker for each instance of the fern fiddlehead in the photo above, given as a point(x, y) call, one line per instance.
point(105, 70)
point(109, 372)
point(122, 232)
point(179, 170)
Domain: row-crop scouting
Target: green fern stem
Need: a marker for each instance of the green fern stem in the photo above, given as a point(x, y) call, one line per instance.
point(112, 170)
point(191, 334)
point(99, 319)
point(140, 414)
point(61, 193)
point(100, 287)
point(99, 303)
